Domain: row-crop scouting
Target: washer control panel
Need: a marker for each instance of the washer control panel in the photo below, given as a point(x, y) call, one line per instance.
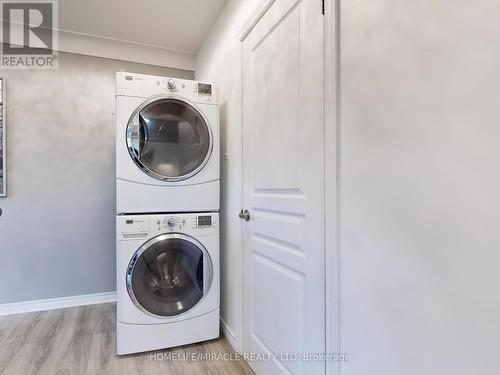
point(202, 221)
point(169, 223)
point(186, 223)
point(133, 226)
point(141, 226)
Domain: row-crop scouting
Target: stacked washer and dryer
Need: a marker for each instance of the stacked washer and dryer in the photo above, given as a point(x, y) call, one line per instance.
point(167, 223)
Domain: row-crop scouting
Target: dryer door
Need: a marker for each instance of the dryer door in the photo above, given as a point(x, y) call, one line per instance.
point(169, 275)
point(169, 139)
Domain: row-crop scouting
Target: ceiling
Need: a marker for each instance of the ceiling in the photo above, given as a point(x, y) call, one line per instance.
point(174, 24)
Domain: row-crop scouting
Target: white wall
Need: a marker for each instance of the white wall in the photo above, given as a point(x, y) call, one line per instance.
point(420, 181)
point(57, 231)
point(220, 61)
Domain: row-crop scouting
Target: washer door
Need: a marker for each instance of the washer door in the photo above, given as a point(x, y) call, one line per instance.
point(169, 275)
point(169, 139)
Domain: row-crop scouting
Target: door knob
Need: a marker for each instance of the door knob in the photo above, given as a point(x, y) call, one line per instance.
point(244, 215)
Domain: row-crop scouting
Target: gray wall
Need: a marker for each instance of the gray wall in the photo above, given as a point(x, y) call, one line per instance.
point(420, 182)
point(57, 231)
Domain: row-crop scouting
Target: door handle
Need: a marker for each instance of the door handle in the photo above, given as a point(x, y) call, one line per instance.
point(244, 215)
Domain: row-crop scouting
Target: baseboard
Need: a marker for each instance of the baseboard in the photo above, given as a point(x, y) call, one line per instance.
point(56, 303)
point(230, 336)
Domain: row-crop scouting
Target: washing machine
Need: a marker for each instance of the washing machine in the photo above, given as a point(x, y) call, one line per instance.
point(167, 145)
point(167, 280)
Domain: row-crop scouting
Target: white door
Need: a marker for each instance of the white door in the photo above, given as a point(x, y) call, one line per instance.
point(283, 136)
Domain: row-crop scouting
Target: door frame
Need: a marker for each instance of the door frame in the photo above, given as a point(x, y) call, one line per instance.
point(332, 171)
point(332, 183)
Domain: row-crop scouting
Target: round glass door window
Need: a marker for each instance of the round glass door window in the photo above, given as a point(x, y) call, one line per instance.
point(169, 139)
point(167, 275)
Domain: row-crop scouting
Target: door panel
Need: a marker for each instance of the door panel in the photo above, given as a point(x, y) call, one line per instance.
point(283, 130)
point(169, 139)
point(278, 319)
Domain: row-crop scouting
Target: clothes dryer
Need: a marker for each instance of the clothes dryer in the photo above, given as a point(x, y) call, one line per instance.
point(167, 145)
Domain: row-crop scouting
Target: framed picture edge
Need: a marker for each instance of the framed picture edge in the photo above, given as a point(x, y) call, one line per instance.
point(3, 193)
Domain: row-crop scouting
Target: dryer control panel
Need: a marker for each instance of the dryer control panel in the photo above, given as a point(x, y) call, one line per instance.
point(133, 84)
point(142, 226)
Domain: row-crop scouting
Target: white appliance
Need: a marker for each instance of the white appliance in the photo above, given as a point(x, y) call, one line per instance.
point(167, 145)
point(167, 280)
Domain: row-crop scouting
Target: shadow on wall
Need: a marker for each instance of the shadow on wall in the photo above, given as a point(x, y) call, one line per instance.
point(224, 196)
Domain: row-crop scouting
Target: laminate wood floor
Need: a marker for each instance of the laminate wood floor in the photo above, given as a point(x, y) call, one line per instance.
point(81, 340)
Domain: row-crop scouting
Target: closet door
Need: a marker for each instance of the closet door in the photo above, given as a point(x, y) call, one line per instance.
point(283, 121)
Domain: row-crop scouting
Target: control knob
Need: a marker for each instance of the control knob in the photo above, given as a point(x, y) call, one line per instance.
point(171, 222)
point(171, 84)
